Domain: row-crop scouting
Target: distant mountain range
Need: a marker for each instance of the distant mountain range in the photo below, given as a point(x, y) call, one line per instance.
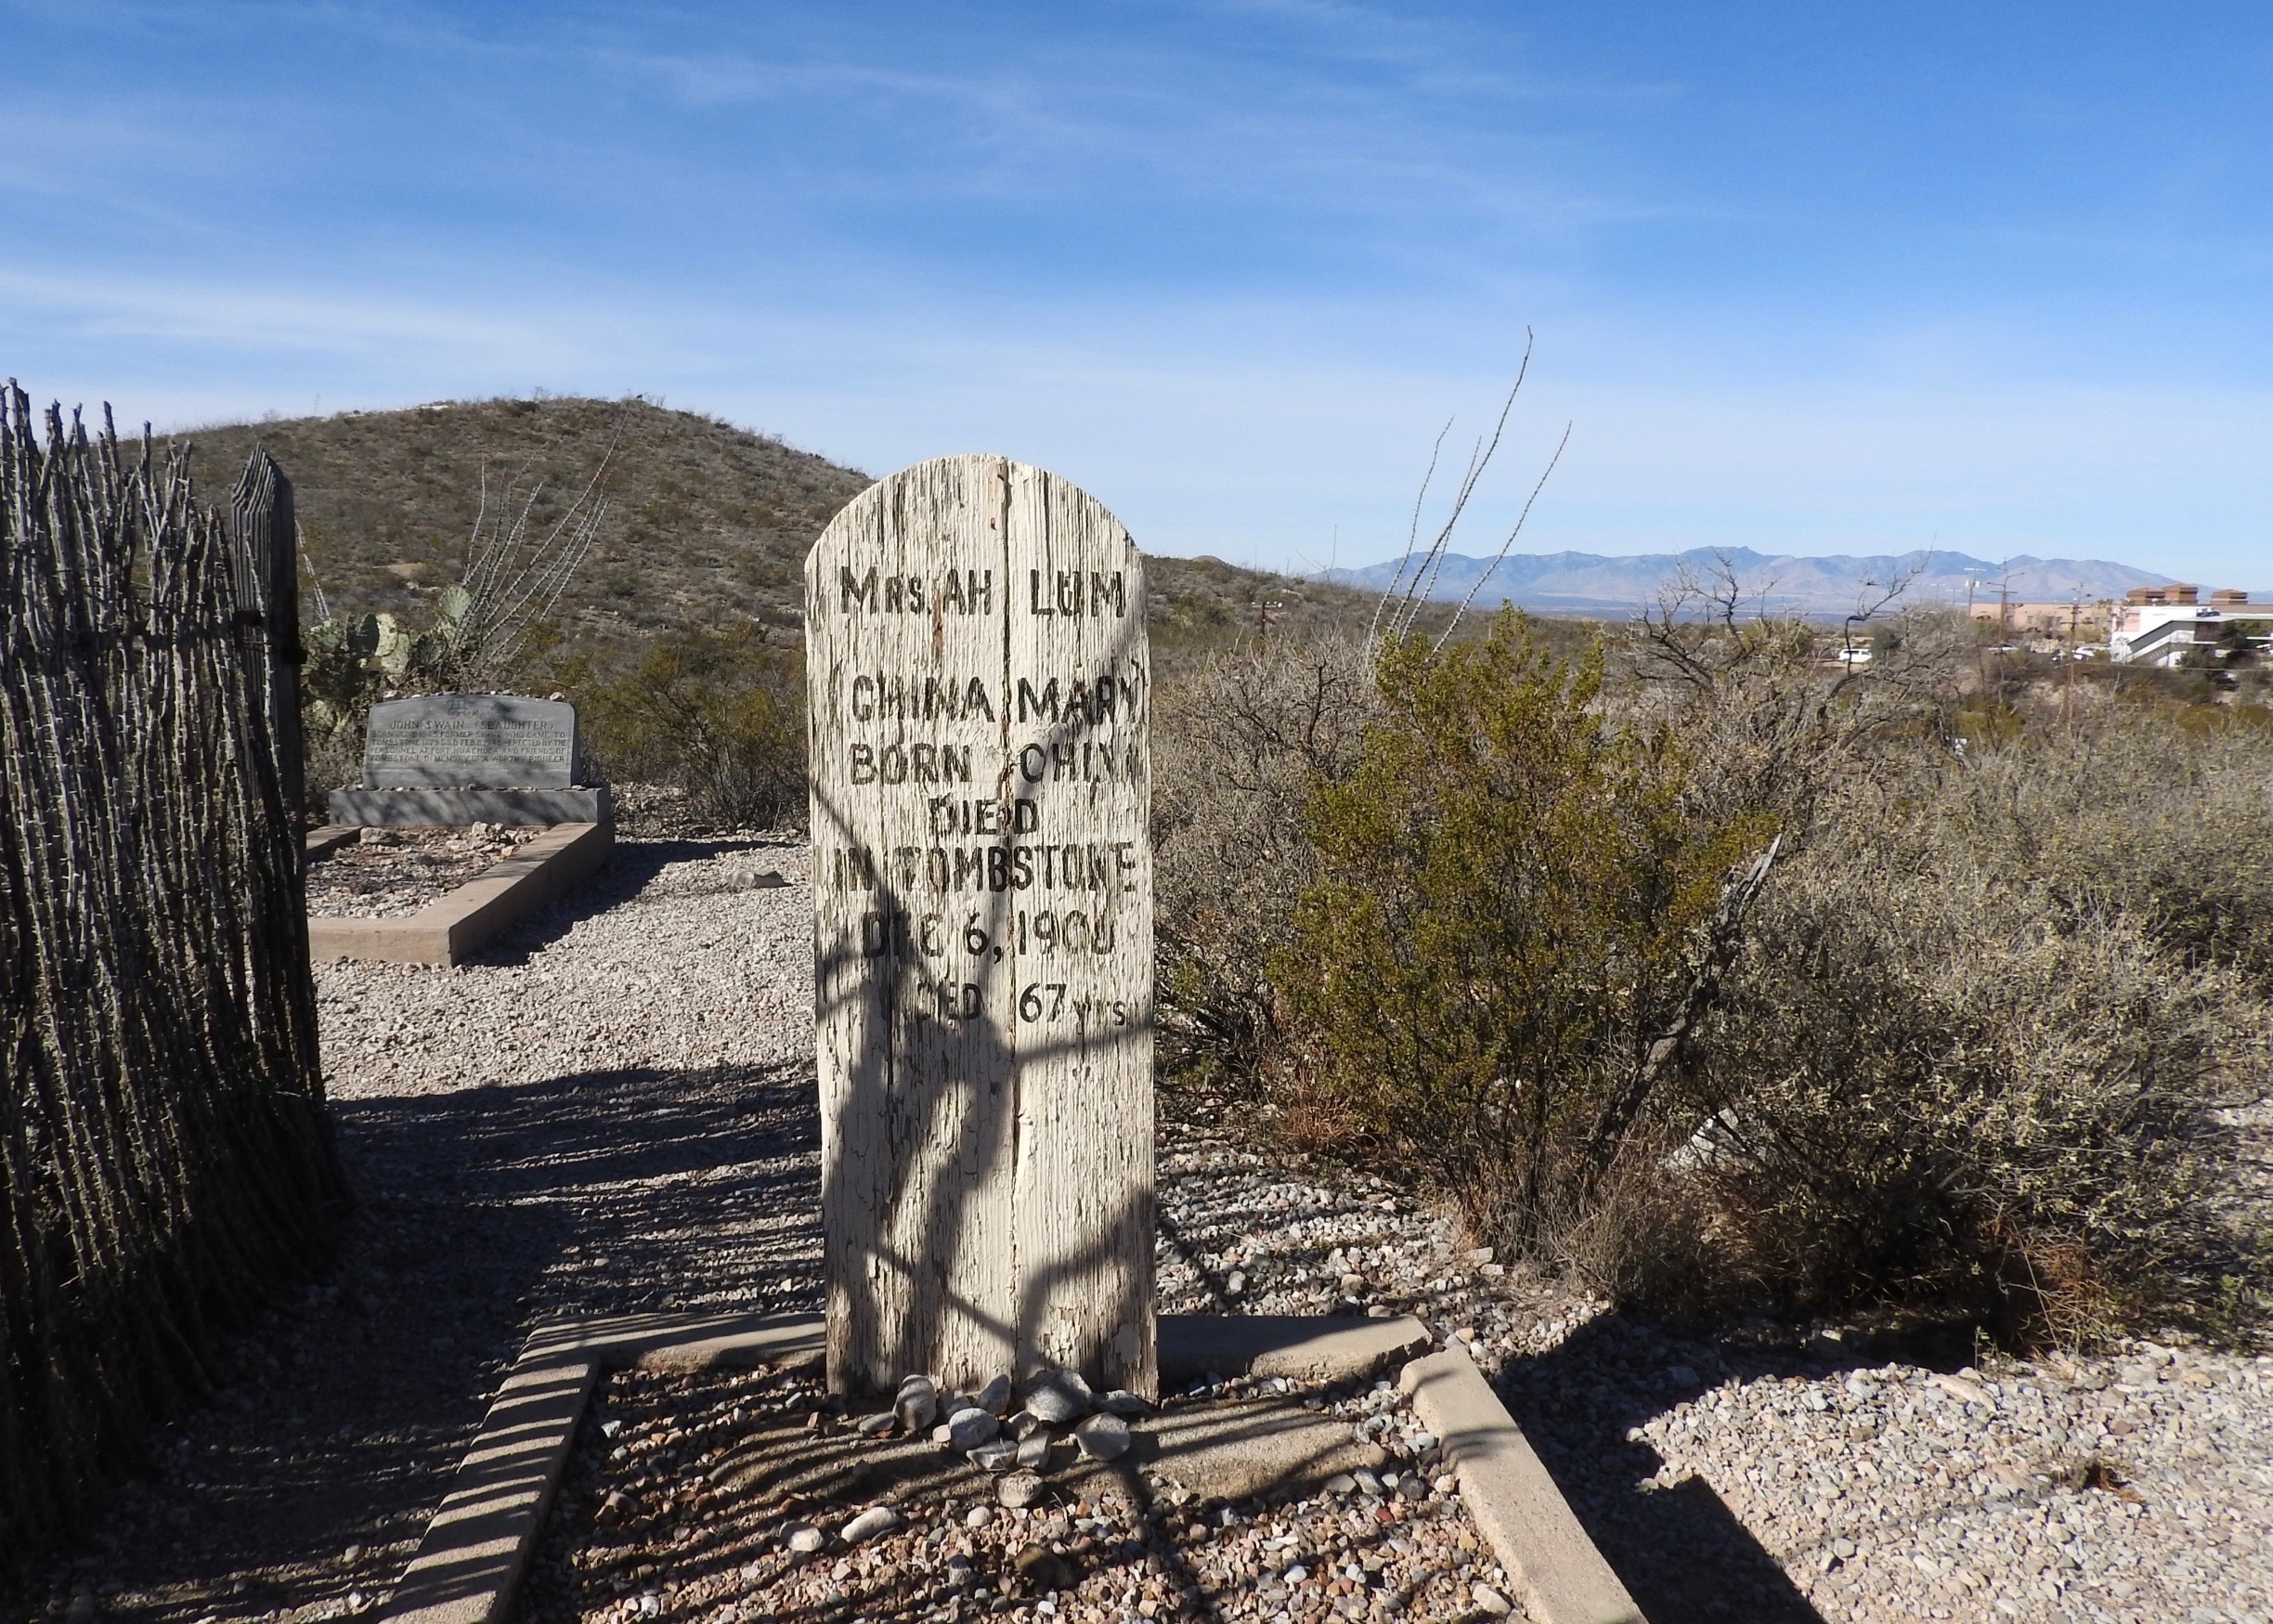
point(1589, 583)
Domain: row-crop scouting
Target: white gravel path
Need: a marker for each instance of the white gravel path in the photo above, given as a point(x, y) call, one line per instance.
point(704, 960)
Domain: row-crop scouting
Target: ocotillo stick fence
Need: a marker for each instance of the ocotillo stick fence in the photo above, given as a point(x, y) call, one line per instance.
point(165, 1148)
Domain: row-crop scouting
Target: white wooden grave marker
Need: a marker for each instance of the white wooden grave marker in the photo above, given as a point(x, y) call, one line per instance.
point(980, 695)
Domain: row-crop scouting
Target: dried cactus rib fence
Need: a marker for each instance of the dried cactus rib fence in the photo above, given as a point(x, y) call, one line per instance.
point(162, 1137)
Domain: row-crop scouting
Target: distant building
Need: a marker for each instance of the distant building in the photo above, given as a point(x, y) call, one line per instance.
point(2087, 621)
point(2161, 626)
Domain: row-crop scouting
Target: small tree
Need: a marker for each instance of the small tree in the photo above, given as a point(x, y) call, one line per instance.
point(1516, 920)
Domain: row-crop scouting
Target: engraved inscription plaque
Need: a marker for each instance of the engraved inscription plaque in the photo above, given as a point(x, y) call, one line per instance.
point(981, 693)
point(470, 741)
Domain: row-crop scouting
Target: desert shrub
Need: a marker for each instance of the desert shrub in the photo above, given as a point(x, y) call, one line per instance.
point(1241, 739)
point(1514, 903)
point(1956, 1065)
point(1484, 909)
point(331, 757)
point(719, 714)
point(2165, 815)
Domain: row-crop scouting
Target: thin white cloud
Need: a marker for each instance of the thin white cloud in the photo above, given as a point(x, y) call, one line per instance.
point(100, 309)
point(1075, 117)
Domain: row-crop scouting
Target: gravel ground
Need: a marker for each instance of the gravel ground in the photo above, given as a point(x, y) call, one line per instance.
point(1761, 1476)
point(385, 873)
point(655, 1519)
point(612, 1109)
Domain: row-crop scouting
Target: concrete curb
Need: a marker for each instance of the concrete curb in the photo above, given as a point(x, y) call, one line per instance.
point(1561, 1577)
point(1305, 1347)
point(330, 838)
point(443, 933)
point(478, 1543)
point(475, 1550)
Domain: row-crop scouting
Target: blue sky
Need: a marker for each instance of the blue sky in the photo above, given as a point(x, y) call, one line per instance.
point(1804, 277)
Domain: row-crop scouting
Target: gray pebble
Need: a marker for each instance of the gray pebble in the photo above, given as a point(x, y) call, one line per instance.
point(967, 1429)
point(918, 1403)
point(1055, 1401)
point(877, 1519)
point(1103, 1437)
point(1019, 1490)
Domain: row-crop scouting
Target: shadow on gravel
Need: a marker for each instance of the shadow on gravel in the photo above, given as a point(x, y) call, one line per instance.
point(1679, 1549)
point(481, 1214)
point(610, 1192)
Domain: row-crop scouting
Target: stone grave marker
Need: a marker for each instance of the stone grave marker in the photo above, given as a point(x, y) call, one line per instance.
point(980, 695)
point(472, 741)
point(471, 757)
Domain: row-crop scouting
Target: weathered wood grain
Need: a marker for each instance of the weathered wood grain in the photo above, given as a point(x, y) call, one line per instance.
point(165, 1160)
point(981, 690)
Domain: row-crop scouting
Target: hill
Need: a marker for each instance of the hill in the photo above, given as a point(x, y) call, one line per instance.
point(1587, 583)
point(708, 523)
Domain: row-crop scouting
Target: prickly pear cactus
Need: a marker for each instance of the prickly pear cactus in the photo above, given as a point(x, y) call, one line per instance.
point(392, 646)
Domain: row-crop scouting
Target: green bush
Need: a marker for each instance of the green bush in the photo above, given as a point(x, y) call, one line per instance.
point(719, 714)
point(1512, 906)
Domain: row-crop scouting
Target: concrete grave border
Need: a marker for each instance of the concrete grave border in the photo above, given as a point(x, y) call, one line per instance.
point(447, 929)
point(1562, 1578)
point(331, 837)
point(475, 1550)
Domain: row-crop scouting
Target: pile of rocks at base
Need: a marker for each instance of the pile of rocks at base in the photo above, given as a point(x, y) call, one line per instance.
point(1059, 1420)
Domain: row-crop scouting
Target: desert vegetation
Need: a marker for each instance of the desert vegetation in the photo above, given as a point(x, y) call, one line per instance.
point(1680, 954)
point(1733, 977)
point(717, 715)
